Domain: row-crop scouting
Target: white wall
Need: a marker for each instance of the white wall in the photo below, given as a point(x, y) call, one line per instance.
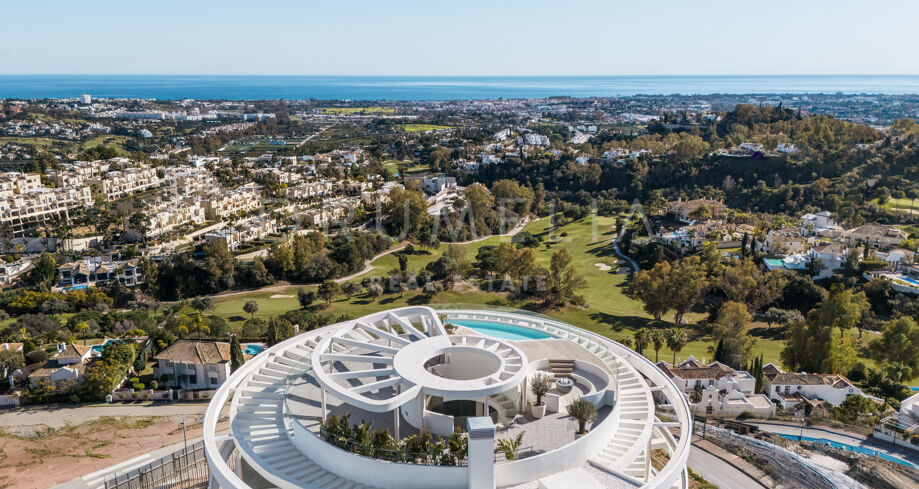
point(373, 472)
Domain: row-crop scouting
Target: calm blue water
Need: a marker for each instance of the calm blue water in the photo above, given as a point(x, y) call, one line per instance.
point(253, 349)
point(501, 331)
point(851, 448)
point(170, 87)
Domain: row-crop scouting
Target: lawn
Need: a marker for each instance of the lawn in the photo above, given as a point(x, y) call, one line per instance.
point(107, 140)
point(902, 205)
point(609, 312)
point(420, 127)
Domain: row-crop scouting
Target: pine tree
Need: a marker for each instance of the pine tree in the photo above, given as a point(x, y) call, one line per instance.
point(236, 354)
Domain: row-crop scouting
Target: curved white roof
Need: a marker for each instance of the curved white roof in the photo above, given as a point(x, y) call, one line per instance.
point(381, 361)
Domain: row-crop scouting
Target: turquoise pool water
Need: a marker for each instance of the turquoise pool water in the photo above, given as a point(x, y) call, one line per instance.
point(500, 330)
point(99, 348)
point(851, 448)
point(253, 349)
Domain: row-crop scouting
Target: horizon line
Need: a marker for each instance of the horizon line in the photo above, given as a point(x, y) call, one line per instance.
point(668, 75)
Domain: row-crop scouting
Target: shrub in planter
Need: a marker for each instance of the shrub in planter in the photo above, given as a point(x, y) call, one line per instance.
point(540, 385)
point(583, 411)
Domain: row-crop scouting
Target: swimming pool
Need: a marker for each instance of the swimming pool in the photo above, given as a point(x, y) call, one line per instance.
point(500, 330)
point(253, 349)
point(851, 448)
point(99, 348)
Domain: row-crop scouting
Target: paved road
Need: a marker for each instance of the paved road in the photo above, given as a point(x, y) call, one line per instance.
point(632, 262)
point(719, 472)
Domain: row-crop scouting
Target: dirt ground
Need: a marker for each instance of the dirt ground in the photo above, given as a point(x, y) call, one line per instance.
point(43, 456)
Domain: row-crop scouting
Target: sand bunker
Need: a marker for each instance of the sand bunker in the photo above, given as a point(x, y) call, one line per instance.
point(603, 266)
point(282, 296)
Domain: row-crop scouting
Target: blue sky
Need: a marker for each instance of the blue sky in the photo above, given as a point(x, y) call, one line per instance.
point(466, 37)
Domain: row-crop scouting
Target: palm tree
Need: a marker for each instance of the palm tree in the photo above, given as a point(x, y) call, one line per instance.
point(642, 337)
point(194, 324)
point(676, 340)
point(81, 327)
point(658, 338)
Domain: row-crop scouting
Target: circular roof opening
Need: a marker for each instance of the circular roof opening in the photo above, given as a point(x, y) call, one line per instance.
point(463, 363)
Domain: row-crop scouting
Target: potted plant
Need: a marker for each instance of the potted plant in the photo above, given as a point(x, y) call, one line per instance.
point(582, 411)
point(540, 385)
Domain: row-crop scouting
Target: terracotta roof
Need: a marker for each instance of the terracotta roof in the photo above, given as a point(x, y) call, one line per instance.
point(198, 352)
point(692, 369)
point(790, 378)
point(74, 351)
point(770, 370)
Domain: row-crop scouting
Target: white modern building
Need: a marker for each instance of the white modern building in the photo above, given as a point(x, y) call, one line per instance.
point(464, 373)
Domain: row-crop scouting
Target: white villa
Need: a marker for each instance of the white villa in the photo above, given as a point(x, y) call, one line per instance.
point(791, 389)
point(717, 389)
point(416, 369)
point(193, 364)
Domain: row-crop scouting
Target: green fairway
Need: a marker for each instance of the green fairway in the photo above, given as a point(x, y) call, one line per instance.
point(357, 110)
point(420, 127)
point(901, 205)
point(609, 312)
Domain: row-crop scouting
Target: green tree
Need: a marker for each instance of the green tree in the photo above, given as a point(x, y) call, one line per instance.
point(43, 273)
point(687, 281)
point(676, 340)
point(328, 290)
point(898, 343)
point(236, 354)
point(250, 308)
point(651, 287)
point(641, 338)
point(731, 329)
point(305, 297)
point(658, 338)
point(563, 279)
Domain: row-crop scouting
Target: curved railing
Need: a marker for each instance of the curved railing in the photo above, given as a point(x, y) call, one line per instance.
point(676, 466)
point(225, 476)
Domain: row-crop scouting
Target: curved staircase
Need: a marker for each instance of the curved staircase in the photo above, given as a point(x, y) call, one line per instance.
point(261, 434)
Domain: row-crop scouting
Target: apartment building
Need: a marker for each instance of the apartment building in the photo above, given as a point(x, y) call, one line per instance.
point(117, 184)
point(170, 215)
point(190, 181)
point(308, 190)
point(243, 233)
point(14, 183)
point(226, 203)
point(22, 213)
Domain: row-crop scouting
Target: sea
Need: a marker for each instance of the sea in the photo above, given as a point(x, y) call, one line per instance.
point(367, 88)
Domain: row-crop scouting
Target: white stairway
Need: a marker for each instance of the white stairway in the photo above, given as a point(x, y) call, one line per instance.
point(636, 414)
point(261, 434)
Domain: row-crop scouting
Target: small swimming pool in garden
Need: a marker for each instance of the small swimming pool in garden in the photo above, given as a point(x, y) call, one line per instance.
point(500, 330)
point(253, 349)
point(99, 348)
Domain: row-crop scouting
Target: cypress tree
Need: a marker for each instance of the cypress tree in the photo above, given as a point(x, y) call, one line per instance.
point(719, 351)
point(236, 354)
point(743, 244)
